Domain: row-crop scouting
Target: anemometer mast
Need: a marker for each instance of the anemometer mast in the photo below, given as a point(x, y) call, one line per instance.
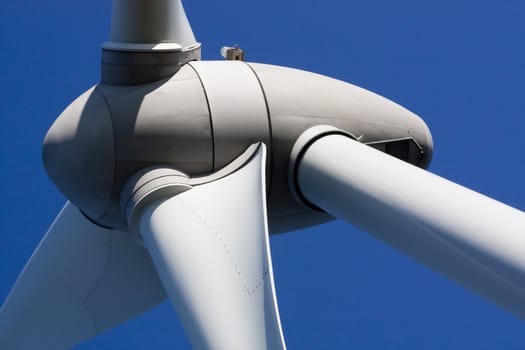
point(147, 43)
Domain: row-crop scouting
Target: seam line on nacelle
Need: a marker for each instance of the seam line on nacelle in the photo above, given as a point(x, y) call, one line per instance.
point(210, 117)
point(270, 131)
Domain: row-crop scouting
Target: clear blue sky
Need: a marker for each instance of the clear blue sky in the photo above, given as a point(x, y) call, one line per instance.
point(458, 64)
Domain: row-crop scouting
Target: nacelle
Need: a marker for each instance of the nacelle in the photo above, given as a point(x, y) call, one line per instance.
point(204, 116)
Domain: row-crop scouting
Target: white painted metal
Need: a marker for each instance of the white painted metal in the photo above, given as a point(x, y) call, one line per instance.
point(237, 107)
point(136, 25)
point(472, 239)
point(81, 280)
point(210, 246)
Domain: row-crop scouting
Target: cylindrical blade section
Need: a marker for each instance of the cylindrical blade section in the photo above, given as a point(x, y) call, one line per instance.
point(470, 238)
point(150, 22)
point(210, 247)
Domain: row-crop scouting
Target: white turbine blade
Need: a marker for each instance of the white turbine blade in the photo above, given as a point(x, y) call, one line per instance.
point(80, 281)
point(472, 239)
point(210, 246)
point(160, 22)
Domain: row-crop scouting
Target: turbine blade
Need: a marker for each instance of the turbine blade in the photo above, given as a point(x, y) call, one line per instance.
point(150, 22)
point(472, 239)
point(210, 245)
point(80, 281)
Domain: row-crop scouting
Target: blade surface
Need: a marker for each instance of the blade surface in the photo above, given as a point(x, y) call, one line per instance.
point(150, 22)
point(472, 239)
point(210, 245)
point(81, 280)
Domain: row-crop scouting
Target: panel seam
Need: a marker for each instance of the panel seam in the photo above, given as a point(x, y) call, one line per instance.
point(250, 291)
point(97, 282)
point(270, 131)
point(210, 117)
